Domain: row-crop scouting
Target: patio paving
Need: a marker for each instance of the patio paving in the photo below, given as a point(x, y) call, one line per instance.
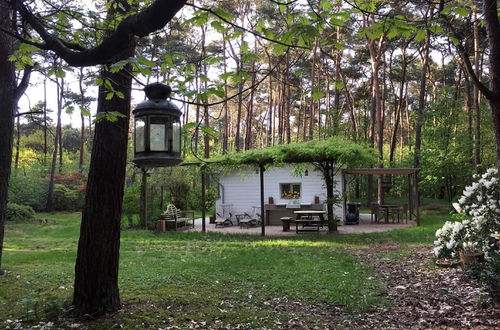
point(365, 226)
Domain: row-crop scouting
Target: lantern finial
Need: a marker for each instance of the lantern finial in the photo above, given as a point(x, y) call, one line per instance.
point(157, 91)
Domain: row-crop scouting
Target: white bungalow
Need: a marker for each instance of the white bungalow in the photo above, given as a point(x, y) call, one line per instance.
point(284, 192)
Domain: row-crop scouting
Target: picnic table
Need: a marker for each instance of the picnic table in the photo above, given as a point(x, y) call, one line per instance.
point(307, 218)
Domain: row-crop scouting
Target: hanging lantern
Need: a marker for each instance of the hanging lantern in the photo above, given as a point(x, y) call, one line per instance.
point(157, 129)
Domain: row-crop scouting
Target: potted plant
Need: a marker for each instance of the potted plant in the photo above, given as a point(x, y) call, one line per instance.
point(271, 200)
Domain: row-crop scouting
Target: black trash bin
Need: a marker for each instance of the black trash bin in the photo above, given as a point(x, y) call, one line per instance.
point(352, 216)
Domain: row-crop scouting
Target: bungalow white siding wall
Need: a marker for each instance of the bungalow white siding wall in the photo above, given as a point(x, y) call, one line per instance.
point(240, 190)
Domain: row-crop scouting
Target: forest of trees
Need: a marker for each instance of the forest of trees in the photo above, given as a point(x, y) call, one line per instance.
point(371, 74)
point(407, 78)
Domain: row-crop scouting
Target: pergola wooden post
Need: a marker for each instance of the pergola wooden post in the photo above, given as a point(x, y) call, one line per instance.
point(262, 212)
point(413, 194)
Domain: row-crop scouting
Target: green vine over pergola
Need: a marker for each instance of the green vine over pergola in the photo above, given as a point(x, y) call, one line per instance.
point(329, 156)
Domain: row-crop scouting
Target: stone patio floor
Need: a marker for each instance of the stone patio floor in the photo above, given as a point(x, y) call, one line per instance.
point(365, 226)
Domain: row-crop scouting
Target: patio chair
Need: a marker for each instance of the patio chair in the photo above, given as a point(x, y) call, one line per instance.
point(248, 221)
point(221, 221)
point(376, 211)
point(403, 210)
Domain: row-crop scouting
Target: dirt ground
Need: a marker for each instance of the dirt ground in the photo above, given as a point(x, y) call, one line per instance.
point(421, 296)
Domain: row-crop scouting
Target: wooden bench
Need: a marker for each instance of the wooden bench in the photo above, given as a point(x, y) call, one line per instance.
point(173, 218)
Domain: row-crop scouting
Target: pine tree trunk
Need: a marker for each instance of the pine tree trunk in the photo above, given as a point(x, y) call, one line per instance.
point(50, 192)
point(421, 100)
point(7, 108)
point(18, 141)
point(9, 97)
point(96, 271)
point(45, 128)
point(82, 118)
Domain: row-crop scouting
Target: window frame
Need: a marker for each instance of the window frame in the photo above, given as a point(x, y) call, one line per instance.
point(291, 189)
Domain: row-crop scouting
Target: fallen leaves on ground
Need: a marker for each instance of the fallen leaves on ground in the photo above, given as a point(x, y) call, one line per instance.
point(420, 297)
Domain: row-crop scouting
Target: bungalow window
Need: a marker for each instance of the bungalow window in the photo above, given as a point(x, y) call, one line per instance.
point(290, 190)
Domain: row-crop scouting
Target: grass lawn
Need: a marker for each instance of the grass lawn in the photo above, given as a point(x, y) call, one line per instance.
point(180, 278)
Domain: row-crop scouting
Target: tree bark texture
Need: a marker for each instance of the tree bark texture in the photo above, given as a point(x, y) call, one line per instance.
point(7, 108)
point(493, 30)
point(96, 271)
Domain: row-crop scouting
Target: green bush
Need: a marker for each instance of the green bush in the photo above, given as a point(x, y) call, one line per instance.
point(19, 213)
point(28, 190)
point(67, 199)
point(490, 276)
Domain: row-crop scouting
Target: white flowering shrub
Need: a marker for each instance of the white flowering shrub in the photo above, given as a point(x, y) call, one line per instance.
point(450, 238)
point(480, 203)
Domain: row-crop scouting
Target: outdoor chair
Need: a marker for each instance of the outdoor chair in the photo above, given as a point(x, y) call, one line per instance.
point(403, 211)
point(221, 221)
point(248, 221)
point(376, 211)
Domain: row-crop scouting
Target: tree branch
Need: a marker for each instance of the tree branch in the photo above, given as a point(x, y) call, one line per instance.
point(153, 18)
point(23, 84)
point(465, 57)
point(210, 11)
point(19, 114)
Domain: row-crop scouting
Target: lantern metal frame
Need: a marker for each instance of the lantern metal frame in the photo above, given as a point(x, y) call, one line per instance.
point(157, 129)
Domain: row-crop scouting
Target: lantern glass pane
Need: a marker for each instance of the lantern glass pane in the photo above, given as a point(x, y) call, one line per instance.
point(158, 134)
point(176, 137)
point(139, 134)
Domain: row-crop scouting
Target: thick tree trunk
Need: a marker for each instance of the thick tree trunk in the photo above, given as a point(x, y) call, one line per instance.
point(7, 108)
point(9, 96)
point(493, 29)
point(96, 271)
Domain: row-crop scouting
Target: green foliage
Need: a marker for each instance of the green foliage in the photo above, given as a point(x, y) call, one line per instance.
point(71, 139)
point(343, 153)
point(19, 213)
point(446, 148)
point(69, 189)
point(109, 115)
point(490, 276)
point(28, 190)
point(131, 200)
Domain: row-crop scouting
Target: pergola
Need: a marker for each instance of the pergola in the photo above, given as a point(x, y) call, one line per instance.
point(328, 156)
point(413, 195)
